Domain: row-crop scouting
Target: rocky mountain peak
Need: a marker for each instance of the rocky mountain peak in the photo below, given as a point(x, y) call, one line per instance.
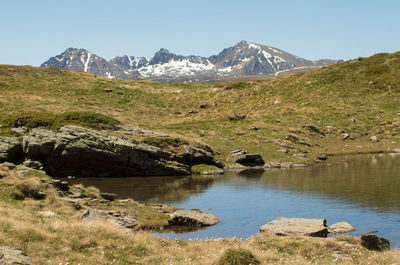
point(243, 59)
point(162, 56)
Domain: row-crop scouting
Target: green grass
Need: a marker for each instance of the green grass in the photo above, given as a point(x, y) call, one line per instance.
point(331, 98)
point(49, 120)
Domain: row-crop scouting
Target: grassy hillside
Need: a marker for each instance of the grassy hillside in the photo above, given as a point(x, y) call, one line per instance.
point(358, 98)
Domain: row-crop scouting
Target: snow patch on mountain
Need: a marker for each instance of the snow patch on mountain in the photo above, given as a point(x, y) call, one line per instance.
point(175, 68)
point(245, 58)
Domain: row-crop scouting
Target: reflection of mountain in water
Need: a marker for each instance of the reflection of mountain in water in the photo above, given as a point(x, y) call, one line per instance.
point(150, 189)
point(367, 180)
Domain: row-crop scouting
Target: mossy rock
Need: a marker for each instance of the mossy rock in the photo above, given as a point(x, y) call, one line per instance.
point(206, 170)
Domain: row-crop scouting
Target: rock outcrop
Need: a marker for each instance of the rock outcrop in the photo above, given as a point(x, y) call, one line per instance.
point(76, 151)
point(248, 160)
point(296, 227)
point(10, 148)
point(373, 242)
point(192, 218)
point(116, 217)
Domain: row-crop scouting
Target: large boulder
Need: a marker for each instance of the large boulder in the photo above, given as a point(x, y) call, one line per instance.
point(10, 149)
point(76, 151)
point(373, 242)
point(248, 160)
point(192, 218)
point(340, 228)
point(296, 227)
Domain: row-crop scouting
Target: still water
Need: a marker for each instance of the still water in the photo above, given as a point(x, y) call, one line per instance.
point(363, 190)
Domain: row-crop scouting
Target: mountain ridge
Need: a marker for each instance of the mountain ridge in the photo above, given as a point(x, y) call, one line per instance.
point(241, 60)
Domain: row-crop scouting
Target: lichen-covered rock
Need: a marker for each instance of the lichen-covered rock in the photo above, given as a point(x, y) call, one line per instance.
point(192, 218)
point(76, 151)
point(11, 255)
point(116, 217)
point(10, 148)
point(296, 227)
point(340, 228)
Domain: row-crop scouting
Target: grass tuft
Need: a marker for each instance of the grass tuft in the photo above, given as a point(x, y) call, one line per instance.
point(238, 257)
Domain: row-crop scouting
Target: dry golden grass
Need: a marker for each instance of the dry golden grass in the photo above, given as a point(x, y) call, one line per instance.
point(51, 232)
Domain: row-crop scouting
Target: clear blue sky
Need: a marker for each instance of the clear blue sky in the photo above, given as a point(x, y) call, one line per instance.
point(34, 30)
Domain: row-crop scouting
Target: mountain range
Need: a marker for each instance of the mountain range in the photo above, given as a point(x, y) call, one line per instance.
point(243, 59)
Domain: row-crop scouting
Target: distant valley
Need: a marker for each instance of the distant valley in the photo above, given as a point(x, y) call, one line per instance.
point(243, 60)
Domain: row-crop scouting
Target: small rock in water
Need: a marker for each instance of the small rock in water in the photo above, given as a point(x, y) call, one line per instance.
point(367, 232)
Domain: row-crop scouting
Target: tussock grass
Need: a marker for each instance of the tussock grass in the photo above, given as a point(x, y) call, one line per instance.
point(238, 257)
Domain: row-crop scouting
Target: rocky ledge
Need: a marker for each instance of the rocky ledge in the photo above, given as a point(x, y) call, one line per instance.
point(81, 152)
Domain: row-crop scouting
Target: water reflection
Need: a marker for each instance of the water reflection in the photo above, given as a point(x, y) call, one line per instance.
point(368, 180)
point(363, 190)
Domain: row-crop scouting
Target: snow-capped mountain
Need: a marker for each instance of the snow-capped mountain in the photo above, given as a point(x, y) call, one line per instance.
point(243, 59)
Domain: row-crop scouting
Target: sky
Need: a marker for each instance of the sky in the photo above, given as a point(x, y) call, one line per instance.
point(31, 31)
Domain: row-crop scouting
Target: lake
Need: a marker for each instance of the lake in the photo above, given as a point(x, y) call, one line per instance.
point(363, 190)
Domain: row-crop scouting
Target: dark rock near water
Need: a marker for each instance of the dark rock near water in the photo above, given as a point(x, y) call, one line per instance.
point(249, 160)
point(82, 152)
point(373, 242)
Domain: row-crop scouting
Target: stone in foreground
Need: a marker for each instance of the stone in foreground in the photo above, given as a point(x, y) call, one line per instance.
point(11, 255)
point(192, 218)
point(296, 227)
point(373, 242)
point(340, 228)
